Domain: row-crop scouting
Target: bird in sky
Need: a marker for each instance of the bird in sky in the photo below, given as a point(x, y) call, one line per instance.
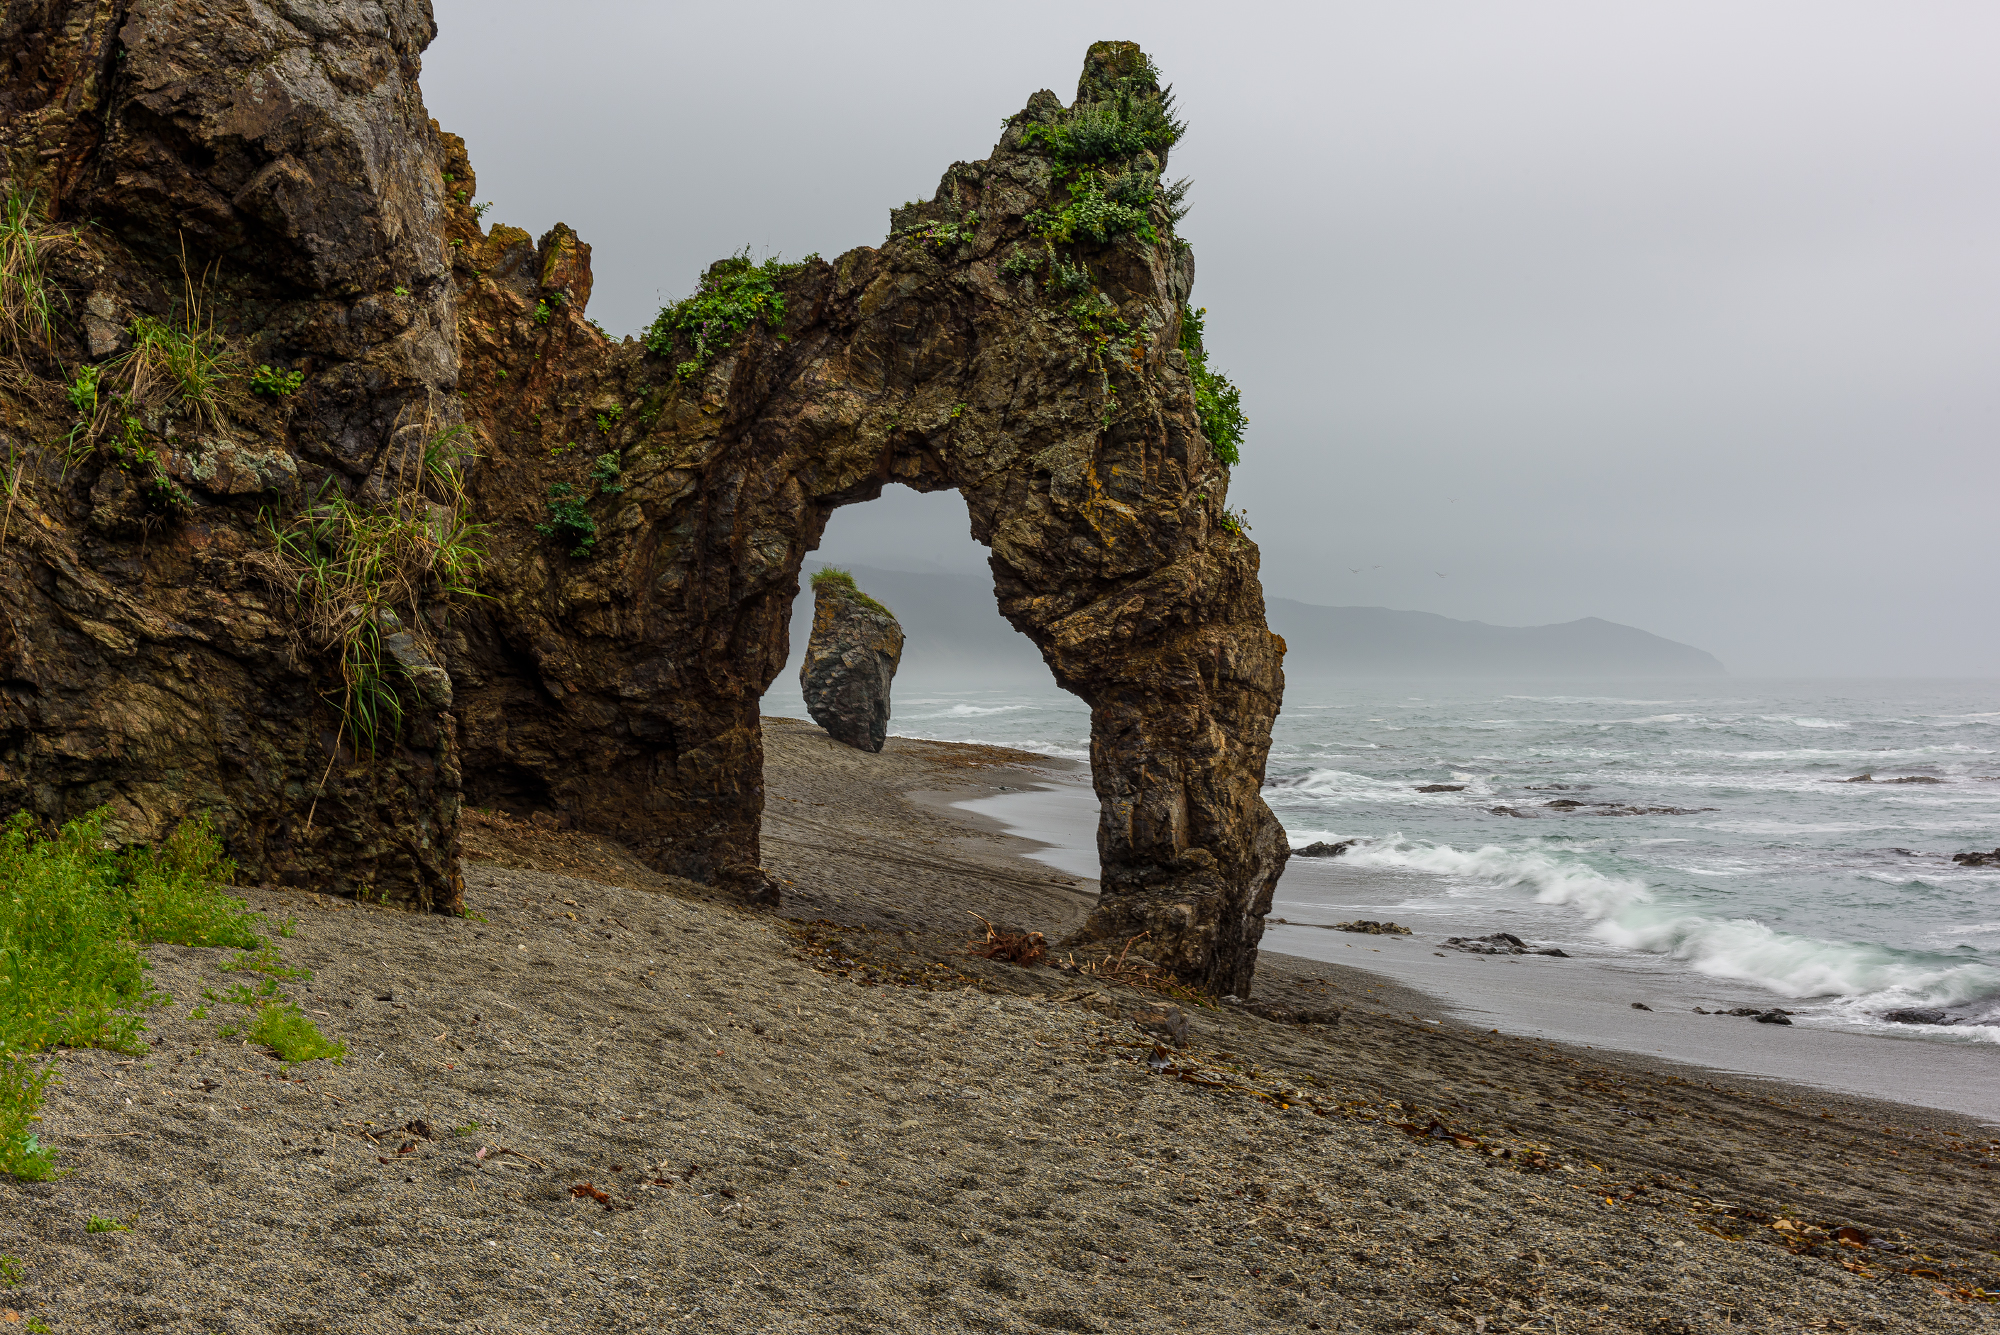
point(1355, 569)
point(1438, 573)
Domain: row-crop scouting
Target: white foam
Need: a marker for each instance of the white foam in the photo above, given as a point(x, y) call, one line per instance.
point(1626, 913)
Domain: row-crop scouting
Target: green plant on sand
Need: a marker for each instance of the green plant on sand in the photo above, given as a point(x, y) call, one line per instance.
point(73, 913)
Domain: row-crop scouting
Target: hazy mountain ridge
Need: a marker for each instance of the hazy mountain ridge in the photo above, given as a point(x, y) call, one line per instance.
point(955, 630)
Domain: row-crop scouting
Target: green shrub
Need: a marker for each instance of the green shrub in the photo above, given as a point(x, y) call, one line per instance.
point(1217, 402)
point(275, 384)
point(734, 294)
point(1135, 116)
point(1091, 214)
point(568, 521)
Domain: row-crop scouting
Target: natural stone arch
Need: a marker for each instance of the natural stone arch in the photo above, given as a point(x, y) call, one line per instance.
point(620, 689)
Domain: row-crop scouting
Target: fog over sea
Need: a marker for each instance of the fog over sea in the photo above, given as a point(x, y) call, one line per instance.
point(1742, 866)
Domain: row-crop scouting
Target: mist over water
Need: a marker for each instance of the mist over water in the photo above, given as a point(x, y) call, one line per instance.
point(1751, 869)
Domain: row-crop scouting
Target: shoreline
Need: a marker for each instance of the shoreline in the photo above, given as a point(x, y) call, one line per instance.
point(608, 1100)
point(1539, 999)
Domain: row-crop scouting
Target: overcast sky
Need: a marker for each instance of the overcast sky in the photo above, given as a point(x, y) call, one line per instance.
point(1685, 315)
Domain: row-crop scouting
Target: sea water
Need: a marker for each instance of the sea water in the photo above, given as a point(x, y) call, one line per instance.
point(1719, 836)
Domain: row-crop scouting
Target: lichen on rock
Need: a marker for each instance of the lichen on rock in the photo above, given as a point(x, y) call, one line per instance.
point(850, 662)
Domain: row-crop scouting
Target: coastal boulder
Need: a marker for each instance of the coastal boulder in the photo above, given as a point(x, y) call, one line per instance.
point(850, 661)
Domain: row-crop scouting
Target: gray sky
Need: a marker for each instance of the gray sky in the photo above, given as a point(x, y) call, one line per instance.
point(1685, 315)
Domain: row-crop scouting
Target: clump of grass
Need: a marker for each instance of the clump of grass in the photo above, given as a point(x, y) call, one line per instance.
point(73, 912)
point(99, 1224)
point(27, 294)
point(1217, 402)
point(361, 575)
point(175, 368)
point(834, 580)
point(468, 1129)
point(285, 1029)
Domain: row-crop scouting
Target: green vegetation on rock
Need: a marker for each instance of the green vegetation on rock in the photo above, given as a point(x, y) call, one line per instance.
point(362, 577)
point(27, 296)
point(733, 295)
point(835, 580)
point(1218, 402)
point(1135, 115)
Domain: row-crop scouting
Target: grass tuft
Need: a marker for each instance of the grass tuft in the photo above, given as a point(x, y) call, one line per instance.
point(361, 576)
point(27, 295)
point(74, 911)
point(835, 580)
point(285, 1029)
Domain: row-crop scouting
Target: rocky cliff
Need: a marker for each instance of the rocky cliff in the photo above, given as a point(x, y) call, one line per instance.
point(235, 589)
point(850, 663)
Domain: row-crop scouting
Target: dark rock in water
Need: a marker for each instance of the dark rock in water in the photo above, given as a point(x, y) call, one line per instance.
point(1322, 849)
point(1977, 859)
point(1508, 811)
point(1371, 927)
point(1774, 1017)
point(1441, 788)
point(1916, 1015)
point(850, 662)
point(1614, 809)
point(1499, 943)
point(1640, 1006)
point(1912, 778)
point(1558, 954)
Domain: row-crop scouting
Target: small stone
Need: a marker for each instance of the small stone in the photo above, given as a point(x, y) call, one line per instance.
point(1640, 1006)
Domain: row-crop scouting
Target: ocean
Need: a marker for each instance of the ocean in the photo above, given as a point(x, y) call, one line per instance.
point(1713, 839)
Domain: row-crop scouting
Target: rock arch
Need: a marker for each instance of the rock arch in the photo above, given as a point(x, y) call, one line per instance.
point(285, 155)
point(620, 689)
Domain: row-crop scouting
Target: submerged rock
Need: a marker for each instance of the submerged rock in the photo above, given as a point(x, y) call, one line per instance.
point(1322, 849)
point(1977, 859)
point(850, 661)
point(1916, 1015)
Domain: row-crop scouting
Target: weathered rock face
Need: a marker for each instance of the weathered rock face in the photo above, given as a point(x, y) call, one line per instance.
point(270, 167)
point(617, 684)
point(850, 663)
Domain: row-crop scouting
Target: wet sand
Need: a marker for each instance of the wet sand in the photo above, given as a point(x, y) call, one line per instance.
point(609, 1102)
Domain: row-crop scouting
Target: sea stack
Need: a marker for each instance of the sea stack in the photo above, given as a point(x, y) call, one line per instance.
point(850, 661)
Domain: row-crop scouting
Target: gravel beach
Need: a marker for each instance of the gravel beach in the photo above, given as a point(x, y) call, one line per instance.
point(608, 1101)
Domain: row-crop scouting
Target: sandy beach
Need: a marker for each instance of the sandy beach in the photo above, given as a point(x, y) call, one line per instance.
point(607, 1101)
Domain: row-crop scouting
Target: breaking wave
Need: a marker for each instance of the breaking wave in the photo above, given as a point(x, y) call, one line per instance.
point(1861, 977)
